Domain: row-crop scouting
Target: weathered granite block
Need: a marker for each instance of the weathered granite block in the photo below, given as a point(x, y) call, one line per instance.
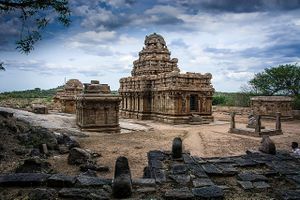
point(88, 181)
point(61, 180)
point(245, 176)
point(246, 185)
point(200, 182)
point(182, 193)
point(84, 194)
point(210, 192)
point(23, 179)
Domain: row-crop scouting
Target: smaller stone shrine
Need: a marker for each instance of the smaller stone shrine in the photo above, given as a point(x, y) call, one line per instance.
point(65, 98)
point(97, 109)
point(268, 106)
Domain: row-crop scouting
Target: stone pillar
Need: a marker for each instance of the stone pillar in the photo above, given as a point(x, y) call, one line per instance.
point(258, 124)
point(232, 120)
point(278, 121)
point(177, 148)
point(122, 183)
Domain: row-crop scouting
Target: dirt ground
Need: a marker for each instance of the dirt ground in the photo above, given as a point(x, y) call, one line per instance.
point(138, 137)
point(210, 140)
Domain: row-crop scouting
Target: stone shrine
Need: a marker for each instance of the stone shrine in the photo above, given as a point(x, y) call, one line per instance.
point(157, 90)
point(65, 98)
point(268, 106)
point(97, 109)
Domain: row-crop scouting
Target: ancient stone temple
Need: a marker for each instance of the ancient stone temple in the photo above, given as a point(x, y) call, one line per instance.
point(97, 109)
point(268, 106)
point(65, 98)
point(157, 90)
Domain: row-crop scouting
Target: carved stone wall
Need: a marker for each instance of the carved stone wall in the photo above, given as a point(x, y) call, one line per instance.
point(270, 105)
point(65, 98)
point(97, 109)
point(157, 90)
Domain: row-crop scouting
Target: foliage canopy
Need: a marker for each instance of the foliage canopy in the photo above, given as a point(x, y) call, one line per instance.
point(280, 80)
point(35, 16)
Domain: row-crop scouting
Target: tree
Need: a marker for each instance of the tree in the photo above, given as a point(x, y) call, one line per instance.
point(35, 16)
point(283, 79)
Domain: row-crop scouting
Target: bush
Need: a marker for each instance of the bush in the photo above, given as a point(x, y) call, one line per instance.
point(296, 103)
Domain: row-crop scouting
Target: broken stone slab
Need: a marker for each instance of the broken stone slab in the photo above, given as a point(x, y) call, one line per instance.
point(61, 180)
point(228, 170)
point(89, 181)
point(182, 179)
point(245, 176)
point(241, 162)
point(94, 167)
point(43, 193)
point(294, 179)
point(89, 172)
point(159, 175)
point(197, 171)
point(187, 159)
point(84, 194)
point(290, 194)
point(209, 192)
point(178, 169)
point(246, 185)
point(182, 193)
point(156, 155)
point(23, 179)
point(201, 182)
point(261, 185)
point(156, 164)
point(144, 182)
point(211, 169)
point(199, 160)
point(146, 190)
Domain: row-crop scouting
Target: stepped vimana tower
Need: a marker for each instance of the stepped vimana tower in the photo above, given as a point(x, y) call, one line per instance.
point(157, 90)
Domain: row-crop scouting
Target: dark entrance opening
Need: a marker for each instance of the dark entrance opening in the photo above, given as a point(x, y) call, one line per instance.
point(193, 103)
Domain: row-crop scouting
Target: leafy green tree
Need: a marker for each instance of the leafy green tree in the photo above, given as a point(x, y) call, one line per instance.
point(283, 79)
point(35, 16)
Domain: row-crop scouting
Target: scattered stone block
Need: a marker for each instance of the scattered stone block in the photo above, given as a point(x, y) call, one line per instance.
point(200, 182)
point(23, 179)
point(94, 167)
point(39, 109)
point(78, 156)
point(267, 146)
point(61, 180)
point(6, 114)
point(88, 181)
point(43, 193)
point(178, 169)
point(34, 165)
point(290, 194)
point(211, 169)
point(177, 148)
point(261, 185)
point(187, 159)
point(182, 179)
point(246, 185)
point(122, 183)
point(159, 175)
point(209, 192)
point(89, 172)
point(146, 190)
point(84, 194)
point(182, 193)
point(144, 182)
point(245, 176)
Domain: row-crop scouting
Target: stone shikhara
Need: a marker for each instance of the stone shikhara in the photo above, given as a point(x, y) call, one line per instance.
point(157, 90)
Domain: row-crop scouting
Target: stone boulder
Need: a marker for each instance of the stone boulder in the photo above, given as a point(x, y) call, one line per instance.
point(38, 136)
point(267, 146)
point(34, 165)
point(39, 109)
point(78, 156)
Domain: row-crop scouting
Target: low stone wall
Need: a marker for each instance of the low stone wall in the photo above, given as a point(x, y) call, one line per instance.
point(230, 109)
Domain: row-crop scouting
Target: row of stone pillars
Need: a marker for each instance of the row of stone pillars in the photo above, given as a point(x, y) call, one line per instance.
point(257, 121)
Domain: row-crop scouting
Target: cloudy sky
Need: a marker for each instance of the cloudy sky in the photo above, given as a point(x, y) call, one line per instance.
point(232, 39)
